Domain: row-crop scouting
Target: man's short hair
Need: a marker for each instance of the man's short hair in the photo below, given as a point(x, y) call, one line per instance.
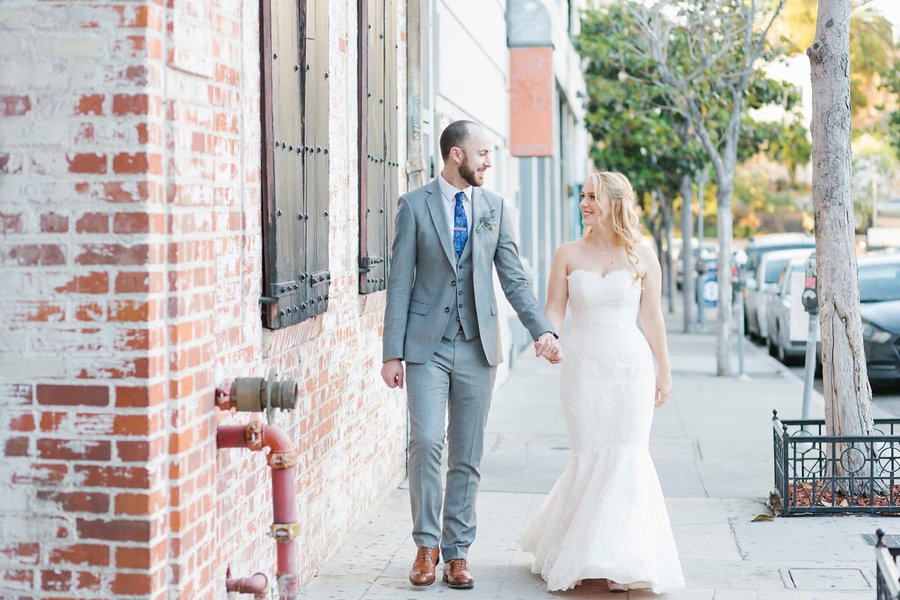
point(455, 134)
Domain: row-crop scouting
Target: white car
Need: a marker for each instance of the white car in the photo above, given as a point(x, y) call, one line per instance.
point(765, 279)
point(778, 315)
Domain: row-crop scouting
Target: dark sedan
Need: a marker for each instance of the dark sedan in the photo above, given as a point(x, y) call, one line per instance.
point(879, 293)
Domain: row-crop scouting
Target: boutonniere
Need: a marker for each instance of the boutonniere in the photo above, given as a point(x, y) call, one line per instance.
point(489, 220)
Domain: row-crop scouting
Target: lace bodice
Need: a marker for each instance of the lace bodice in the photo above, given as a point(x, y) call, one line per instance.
point(603, 301)
point(604, 312)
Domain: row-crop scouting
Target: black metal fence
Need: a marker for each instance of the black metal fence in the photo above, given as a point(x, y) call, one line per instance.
point(887, 575)
point(818, 473)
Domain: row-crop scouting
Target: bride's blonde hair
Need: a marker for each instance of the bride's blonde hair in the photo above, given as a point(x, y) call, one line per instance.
point(625, 222)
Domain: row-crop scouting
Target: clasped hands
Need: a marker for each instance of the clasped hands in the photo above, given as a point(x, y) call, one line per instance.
point(548, 346)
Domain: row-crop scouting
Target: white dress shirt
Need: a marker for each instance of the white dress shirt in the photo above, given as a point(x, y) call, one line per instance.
point(448, 193)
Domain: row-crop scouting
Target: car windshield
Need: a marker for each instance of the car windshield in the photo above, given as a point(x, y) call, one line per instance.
point(773, 268)
point(754, 254)
point(879, 283)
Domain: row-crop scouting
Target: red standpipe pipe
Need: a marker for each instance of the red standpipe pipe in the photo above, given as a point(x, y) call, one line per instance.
point(282, 459)
point(257, 584)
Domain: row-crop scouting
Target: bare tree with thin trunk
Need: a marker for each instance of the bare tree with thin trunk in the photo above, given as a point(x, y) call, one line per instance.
point(846, 385)
point(668, 261)
point(687, 252)
point(706, 53)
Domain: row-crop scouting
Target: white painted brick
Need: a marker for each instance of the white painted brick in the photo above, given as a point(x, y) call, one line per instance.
point(11, 46)
point(40, 74)
point(15, 500)
point(18, 17)
point(14, 528)
point(72, 47)
point(36, 132)
point(192, 38)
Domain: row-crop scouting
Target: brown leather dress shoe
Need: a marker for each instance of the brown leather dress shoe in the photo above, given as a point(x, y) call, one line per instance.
point(422, 572)
point(457, 575)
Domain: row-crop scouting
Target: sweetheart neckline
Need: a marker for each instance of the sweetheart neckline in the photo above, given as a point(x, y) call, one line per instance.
point(599, 275)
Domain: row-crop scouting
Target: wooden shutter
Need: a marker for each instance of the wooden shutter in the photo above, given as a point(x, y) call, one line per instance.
point(294, 173)
point(378, 126)
point(317, 276)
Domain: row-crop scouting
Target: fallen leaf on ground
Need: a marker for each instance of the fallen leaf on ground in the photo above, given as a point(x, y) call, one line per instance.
point(763, 517)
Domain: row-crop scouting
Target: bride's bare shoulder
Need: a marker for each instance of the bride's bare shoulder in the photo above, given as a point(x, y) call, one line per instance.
point(568, 248)
point(647, 258)
point(645, 251)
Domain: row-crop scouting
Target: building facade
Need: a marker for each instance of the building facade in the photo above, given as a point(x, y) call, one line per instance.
point(195, 192)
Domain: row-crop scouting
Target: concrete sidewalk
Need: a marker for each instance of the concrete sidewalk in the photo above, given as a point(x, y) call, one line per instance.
point(712, 446)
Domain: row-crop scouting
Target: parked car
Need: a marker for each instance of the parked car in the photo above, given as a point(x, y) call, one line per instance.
point(778, 315)
point(879, 296)
point(707, 254)
point(772, 242)
point(765, 279)
point(888, 208)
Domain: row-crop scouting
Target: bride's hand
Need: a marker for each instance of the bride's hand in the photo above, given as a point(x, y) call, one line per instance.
point(663, 387)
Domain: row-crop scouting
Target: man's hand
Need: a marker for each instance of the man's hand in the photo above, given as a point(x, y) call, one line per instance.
point(392, 373)
point(548, 347)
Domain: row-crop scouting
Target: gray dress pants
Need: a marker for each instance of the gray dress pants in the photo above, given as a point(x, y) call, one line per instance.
point(451, 393)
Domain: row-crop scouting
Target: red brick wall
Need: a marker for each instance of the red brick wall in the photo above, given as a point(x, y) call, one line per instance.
point(131, 258)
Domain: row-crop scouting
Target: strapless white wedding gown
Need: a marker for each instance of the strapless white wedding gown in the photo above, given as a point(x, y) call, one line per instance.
point(605, 517)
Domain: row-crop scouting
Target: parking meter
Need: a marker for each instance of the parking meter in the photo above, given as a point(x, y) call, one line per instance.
point(810, 301)
point(810, 297)
point(738, 287)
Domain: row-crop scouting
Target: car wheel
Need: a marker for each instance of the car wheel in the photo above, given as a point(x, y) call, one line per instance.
point(770, 346)
point(781, 354)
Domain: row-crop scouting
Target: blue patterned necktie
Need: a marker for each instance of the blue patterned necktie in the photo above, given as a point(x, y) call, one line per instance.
point(460, 224)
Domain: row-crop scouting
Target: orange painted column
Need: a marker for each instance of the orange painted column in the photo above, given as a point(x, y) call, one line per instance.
point(531, 101)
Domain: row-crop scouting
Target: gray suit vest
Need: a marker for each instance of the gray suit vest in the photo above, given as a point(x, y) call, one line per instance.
point(462, 312)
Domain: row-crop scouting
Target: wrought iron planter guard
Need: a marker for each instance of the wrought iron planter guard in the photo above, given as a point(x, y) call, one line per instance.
point(808, 462)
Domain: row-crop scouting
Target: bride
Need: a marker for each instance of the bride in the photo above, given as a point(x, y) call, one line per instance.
point(605, 517)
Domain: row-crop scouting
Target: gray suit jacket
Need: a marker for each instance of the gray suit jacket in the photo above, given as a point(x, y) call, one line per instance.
point(423, 267)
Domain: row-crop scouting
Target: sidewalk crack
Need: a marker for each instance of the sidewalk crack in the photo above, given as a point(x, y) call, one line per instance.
point(737, 544)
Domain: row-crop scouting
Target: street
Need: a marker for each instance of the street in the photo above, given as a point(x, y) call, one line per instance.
point(885, 398)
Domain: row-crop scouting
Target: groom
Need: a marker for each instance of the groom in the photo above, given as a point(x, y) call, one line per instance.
point(441, 318)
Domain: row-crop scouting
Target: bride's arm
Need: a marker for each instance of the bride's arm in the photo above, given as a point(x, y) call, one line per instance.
point(653, 323)
point(557, 290)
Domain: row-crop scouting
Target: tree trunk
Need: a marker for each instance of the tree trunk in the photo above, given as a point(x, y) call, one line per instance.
point(665, 256)
point(669, 231)
point(687, 252)
point(724, 223)
point(701, 186)
point(657, 232)
point(651, 218)
point(665, 259)
point(846, 385)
